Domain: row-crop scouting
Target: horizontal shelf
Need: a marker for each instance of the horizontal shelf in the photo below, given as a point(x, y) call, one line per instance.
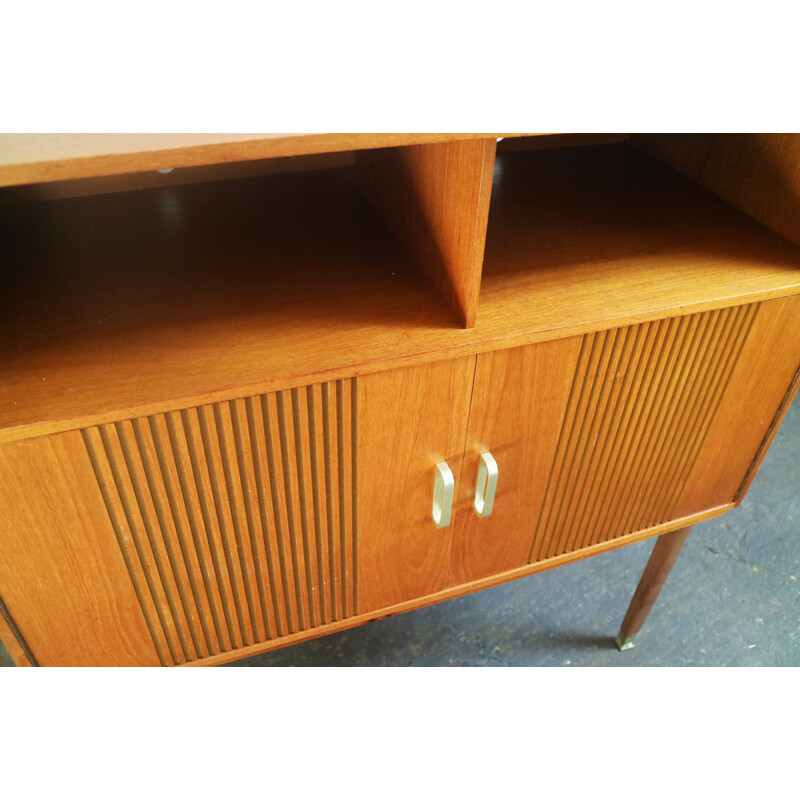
point(605, 236)
point(134, 303)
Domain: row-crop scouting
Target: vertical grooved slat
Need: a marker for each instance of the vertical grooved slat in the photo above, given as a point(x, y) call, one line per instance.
point(251, 630)
point(632, 450)
point(741, 332)
point(354, 482)
point(276, 510)
point(640, 407)
point(120, 536)
point(250, 522)
point(340, 443)
point(258, 469)
point(219, 515)
point(601, 426)
point(211, 591)
point(721, 325)
point(136, 536)
point(314, 456)
point(619, 422)
point(567, 427)
point(329, 496)
point(292, 527)
point(621, 448)
point(660, 474)
point(152, 484)
point(556, 534)
point(149, 528)
point(653, 425)
point(209, 516)
point(211, 460)
point(595, 413)
point(301, 492)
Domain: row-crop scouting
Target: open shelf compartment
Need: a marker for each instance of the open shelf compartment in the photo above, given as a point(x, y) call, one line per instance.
point(593, 236)
point(126, 300)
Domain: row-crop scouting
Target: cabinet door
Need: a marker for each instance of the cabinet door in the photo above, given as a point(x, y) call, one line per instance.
point(605, 435)
point(171, 538)
point(409, 420)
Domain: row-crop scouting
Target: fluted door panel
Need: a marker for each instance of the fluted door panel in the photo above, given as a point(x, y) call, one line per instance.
point(236, 520)
point(640, 405)
point(601, 436)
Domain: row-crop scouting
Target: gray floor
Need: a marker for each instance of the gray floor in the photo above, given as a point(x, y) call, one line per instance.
point(733, 599)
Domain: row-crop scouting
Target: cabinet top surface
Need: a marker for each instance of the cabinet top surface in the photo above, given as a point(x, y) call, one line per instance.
point(44, 157)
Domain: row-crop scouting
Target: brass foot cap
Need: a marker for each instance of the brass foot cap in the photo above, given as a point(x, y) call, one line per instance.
point(623, 642)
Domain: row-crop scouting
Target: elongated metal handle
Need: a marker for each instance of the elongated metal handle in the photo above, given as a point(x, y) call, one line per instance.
point(443, 488)
point(486, 486)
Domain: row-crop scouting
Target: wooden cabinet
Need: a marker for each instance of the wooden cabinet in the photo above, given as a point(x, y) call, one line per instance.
point(222, 405)
point(616, 433)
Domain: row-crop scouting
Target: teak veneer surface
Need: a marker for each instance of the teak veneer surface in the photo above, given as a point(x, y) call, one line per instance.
point(43, 157)
point(148, 301)
point(435, 199)
point(604, 233)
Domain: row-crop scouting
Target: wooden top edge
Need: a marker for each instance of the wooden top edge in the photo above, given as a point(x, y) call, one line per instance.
point(45, 157)
point(475, 341)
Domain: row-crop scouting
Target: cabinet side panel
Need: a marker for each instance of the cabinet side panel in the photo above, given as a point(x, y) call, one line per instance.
point(758, 173)
point(520, 397)
point(685, 152)
point(409, 420)
point(753, 397)
point(62, 576)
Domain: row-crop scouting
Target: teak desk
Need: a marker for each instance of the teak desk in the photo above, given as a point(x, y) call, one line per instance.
point(303, 381)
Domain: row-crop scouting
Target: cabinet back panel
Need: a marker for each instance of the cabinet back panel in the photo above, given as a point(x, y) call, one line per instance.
point(236, 519)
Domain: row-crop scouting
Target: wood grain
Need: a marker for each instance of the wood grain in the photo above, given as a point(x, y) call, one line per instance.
point(219, 514)
point(62, 576)
point(13, 640)
point(519, 397)
point(147, 302)
point(435, 198)
point(643, 400)
point(39, 157)
point(598, 437)
point(756, 389)
point(758, 173)
point(409, 420)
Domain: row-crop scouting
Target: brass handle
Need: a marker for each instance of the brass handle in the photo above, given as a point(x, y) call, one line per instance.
point(443, 487)
point(486, 486)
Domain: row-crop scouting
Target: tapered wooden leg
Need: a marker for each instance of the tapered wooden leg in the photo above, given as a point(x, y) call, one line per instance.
point(662, 559)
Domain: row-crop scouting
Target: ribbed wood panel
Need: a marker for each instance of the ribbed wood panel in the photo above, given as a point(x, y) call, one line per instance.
point(236, 520)
point(642, 400)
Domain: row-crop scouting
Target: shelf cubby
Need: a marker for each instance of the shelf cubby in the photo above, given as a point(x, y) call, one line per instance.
point(135, 299)
point(595, 236)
